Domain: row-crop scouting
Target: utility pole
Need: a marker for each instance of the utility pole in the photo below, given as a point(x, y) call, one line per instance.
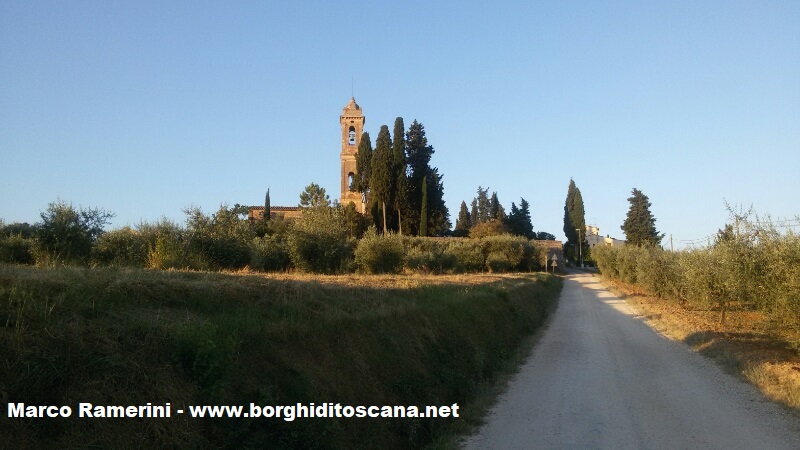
point(670, 243)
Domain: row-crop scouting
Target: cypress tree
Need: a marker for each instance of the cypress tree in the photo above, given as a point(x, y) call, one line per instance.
point(574, 220)
point(483, 205)
point(266, 215)
point(399, 168)
point(524, 222)
point(473, 215)
point(363, 166)
point(512, 221)
point(640, 225)
point(381, 177)
point(496, 210)
point(463, 222)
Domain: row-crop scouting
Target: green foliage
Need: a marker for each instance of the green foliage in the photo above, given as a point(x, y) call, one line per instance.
point(382, 180)
point(363, 165)
point(66, 233)
point(206, 355)
point(123, 247)
point(355, 222)
point(16, 249)
point(463, 223)
point(574, 220)
point(496, 210)
point(430, 255)
point(128, 337)
point(467, 255)
point(640, 225)
point(400, 185)
point(267, 207)
point(379, 253)
point(519, 221)
point(423, 212)
point(486, 229)
point(482, 207)
point(170, 250)
point(269, 253)
point(23, 229)
point(418, 157)
point(317, 241)
point(220, 240)
point(753, 266)
point(314, 196)
point(505, 253)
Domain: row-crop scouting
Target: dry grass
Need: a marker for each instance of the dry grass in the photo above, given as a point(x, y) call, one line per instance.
point(129, 336)
point(744, 345)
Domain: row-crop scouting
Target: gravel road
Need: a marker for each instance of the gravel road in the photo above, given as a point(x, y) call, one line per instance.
point(599, 377)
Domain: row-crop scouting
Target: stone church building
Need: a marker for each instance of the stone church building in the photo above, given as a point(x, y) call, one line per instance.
point(352, 123)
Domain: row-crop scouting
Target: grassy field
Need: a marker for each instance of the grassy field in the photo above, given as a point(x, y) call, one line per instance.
point(746, 345)
point(128, 337)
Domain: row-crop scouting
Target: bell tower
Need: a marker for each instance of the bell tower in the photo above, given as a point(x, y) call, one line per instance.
point(352, 121)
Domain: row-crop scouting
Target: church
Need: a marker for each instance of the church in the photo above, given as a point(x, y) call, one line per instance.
point(352, 123)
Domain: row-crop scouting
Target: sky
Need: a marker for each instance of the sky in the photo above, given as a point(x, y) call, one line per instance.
point(145, 108)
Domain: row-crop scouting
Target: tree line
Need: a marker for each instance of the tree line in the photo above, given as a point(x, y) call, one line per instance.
point(488, 217)
point(400, 189)
point(639, 225)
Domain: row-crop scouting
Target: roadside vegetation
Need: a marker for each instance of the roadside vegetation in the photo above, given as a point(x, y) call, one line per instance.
point(738, 299)
point(123, 336)
point(325, 239)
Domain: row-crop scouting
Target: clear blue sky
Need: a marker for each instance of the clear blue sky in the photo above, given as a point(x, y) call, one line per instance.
point(143, 108)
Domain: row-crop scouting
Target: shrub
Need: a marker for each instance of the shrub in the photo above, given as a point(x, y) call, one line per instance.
point(498, 262)
point(16, 249)
point(486, 229)
point(122, 248)
point(66, 234)
point(317, 241)
point(507, 252)
point(429, 255)
point(380, 253)
point(269, 254)
point(220, 252)
point(467, 255)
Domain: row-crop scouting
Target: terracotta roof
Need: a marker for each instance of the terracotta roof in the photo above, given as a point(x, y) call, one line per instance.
point(352, 108)
point(275, 208)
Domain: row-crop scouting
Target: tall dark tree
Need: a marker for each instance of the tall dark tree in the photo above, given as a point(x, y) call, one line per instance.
point(496, 210)
point(438, 214)
point(519, 221)
point(483, 205)
point(463, 222)
point(640, 225)
point(381, 177)
point(418, 151)
point(363, 166)
point(266, 216)
point(418, 156)
point(574, 220)
point(473, 215)
point(423, 213)
point(400, 184)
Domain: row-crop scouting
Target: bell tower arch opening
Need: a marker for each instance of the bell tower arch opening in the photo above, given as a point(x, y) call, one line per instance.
point(352, 123)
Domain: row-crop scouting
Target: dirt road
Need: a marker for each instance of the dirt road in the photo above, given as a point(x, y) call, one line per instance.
point(601, 378)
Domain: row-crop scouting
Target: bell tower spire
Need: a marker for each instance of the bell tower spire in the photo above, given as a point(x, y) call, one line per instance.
point(352, 122)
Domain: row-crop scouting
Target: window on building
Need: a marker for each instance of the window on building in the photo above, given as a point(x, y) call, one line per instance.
point(352, 134)
point(350, 179)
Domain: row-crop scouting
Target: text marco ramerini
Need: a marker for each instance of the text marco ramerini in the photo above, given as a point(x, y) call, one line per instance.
point(285, 412)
